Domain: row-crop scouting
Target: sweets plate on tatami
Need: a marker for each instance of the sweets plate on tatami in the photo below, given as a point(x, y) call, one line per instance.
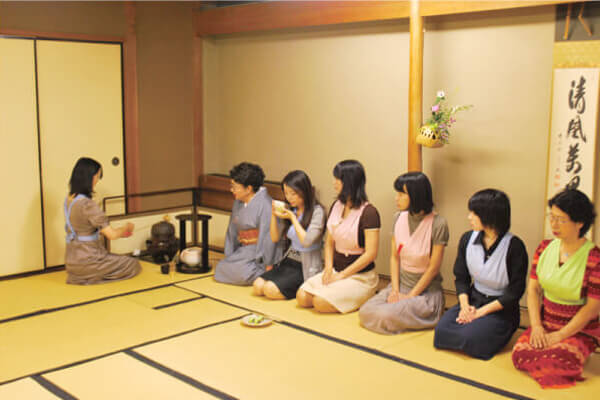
point(256, 321)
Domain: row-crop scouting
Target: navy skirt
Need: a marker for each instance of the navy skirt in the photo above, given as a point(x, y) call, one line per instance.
point(484, 337)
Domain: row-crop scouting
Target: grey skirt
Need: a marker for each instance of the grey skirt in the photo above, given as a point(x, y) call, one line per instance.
point(420, 312)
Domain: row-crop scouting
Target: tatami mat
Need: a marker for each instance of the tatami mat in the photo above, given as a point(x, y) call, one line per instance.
point(56, 339)
point(161, 297)
point(47, 291)
point(26, 389)
point(344, 327)
point(278, 362)
point(498, 372)
point(75, 345)
point(122, 377)
point(414, 346)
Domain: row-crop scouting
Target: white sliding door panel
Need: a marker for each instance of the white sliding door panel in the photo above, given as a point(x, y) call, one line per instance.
point(21, 211)
point(80, 109)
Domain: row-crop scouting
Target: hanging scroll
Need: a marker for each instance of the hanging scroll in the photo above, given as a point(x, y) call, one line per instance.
point(572, 145)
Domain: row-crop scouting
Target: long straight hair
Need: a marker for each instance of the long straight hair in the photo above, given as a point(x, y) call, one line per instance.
point(300, 183)
point(82, 177)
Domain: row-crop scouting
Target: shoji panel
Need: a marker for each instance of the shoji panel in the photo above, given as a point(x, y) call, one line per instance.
point(21, 211)
point(80, 109)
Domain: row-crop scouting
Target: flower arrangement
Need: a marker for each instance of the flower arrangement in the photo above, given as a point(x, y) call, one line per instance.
point(436, 130)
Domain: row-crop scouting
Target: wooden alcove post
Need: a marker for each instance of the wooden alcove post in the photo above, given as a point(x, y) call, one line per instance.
point(130, 87)
point(415, 87)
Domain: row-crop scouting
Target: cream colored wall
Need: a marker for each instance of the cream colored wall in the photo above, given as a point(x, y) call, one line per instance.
point(501, 63)
point(309, 98)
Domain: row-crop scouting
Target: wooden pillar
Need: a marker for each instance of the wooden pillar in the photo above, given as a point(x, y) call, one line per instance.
point(130, 86)
point(198, 104)
point(415, 87)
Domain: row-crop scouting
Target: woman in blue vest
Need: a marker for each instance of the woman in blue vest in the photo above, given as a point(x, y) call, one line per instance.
point(86, 259)
point(490, 272)
point(303, 226)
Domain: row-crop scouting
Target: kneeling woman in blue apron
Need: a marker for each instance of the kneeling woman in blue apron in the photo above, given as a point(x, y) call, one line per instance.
point(86, 259)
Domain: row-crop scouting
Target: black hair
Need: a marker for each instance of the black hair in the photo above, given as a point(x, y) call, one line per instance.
point(300, 182)
point(577, 206)
point(352, 175)
point(418, 189)
point(248, 174)
point(82, 177)
point(493, 209)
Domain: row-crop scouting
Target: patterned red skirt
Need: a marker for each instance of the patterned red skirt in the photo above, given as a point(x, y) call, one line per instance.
point(560, 365)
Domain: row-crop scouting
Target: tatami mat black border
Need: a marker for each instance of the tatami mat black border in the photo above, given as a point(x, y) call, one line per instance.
point(176, 303)
point(74, 364)
point(52, 388)
point(83, 303)
point(219, 300)
point(178, 375)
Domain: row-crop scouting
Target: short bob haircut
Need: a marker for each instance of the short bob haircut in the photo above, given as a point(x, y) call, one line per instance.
point(82, 177)
point(300, 183)
point(248, 174)
point(493, 209)
point(577, 206)
point(418, 189)
point(352, 175)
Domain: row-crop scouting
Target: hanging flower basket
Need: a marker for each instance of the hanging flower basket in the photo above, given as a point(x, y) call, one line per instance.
point(436, 131)
point(429, 136)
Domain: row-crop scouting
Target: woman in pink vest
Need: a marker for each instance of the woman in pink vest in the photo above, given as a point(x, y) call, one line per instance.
point(414, 298)
point(349, 278)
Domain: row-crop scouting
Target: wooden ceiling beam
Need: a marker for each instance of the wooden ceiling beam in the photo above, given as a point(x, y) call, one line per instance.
point(275, 15)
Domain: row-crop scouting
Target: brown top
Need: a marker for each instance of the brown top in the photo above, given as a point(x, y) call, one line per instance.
point(87, 217)
point(369, 219)
point(89, 262)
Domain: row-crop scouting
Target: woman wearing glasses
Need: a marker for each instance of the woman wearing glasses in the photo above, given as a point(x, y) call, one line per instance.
point(566, 273)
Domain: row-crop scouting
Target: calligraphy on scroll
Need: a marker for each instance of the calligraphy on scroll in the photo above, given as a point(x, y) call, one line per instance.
point(572, 145)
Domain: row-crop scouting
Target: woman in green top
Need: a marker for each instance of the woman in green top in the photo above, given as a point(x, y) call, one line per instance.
point(566, 273)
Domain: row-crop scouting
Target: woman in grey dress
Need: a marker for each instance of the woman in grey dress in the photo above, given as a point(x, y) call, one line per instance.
point(86, 259)
point(248, 246)
point(414, 298)
point(303, 228)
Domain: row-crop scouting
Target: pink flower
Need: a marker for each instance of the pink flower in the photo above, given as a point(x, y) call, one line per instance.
point(435, 108)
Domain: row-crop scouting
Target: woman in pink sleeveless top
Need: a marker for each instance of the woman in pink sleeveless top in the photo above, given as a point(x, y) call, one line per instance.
point(349, 278)
point(414, 298)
